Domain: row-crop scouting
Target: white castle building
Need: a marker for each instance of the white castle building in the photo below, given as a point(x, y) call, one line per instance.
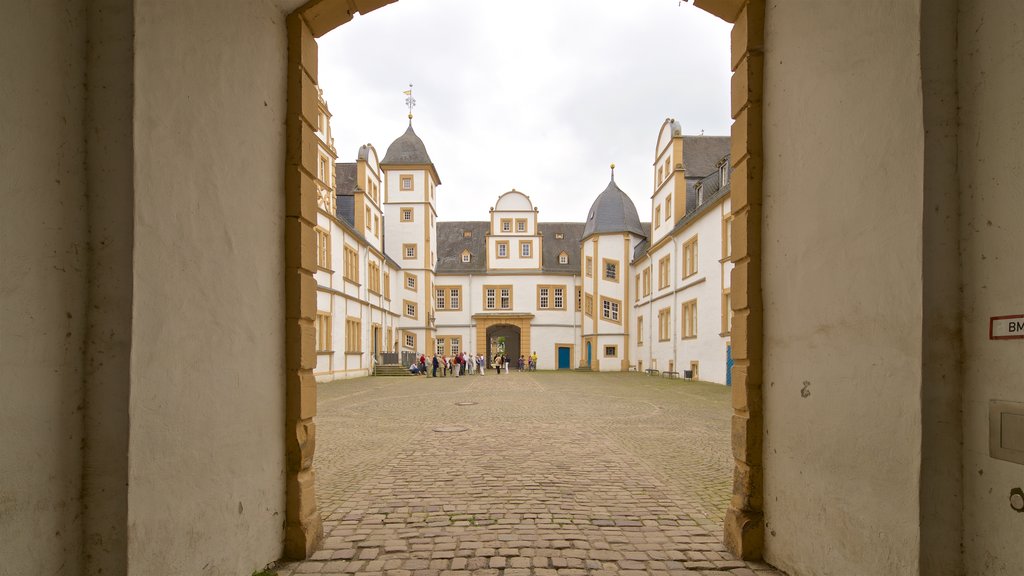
point(611, 293)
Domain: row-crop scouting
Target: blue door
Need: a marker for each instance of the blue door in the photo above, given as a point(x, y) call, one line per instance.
point(728, 365)
point(564, 359)
point(588, 354)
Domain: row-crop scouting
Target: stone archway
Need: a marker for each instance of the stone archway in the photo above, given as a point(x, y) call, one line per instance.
point(744, 525)
point(503, 338)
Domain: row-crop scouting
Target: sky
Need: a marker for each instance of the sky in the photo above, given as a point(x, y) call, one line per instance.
point(536, 95)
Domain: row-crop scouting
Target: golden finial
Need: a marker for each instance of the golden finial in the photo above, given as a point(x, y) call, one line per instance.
point(613, 170)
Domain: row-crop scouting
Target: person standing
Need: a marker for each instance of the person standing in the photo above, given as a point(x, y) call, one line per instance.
point(533, 361)
point(434, 363)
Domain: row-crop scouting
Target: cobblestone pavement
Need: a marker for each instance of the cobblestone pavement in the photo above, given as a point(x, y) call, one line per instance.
point(526, 474)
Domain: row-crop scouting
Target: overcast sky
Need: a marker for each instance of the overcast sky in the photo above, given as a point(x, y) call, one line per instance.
point(536, 95)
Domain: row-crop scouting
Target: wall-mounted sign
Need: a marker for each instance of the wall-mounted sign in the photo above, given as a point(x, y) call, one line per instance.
point(1006, 327)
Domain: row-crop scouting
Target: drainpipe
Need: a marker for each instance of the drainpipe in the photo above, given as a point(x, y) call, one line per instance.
point(467, 300)
point(675, 295)
point(573, 321)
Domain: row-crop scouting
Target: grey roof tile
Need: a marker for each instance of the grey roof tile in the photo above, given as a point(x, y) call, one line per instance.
point(407, 149)
point(702, 153)
point(452, 241)
point(572, 234)
point(612, 212)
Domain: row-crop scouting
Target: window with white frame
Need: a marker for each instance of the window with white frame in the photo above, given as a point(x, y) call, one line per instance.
point(563, 258)
point(525, 249)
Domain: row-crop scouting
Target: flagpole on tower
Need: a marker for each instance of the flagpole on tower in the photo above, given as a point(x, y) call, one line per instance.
point(409, 101)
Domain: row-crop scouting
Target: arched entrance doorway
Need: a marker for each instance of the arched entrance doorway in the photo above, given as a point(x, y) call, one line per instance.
point(503, 339)
point(744, 523)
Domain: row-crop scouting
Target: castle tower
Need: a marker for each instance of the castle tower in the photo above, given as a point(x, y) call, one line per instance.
point(612, 231)
point(410, 211)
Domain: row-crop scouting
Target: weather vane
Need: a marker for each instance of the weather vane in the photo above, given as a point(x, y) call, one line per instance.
point(409, 100)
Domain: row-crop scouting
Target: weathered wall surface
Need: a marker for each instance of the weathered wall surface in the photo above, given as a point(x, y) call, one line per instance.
point(207, 401)
point(843, 182)
point(991, 162)
point(42, 287)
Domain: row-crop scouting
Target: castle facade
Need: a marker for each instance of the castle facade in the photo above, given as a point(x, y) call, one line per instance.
point(610, 293)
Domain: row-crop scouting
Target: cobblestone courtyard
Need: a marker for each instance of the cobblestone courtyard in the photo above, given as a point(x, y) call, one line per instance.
point(530, 473)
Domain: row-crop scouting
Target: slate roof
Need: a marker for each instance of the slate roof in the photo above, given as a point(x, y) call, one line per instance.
point(702, 153)
point(570, 243)
point(345, 186)
point(612, 212)
point(452, 241)
point(408, 149)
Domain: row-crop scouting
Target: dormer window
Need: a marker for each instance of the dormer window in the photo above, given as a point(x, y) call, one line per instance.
point(467, 233)
point(724, 173)
point(559, 236)
point(699, 189)
point(465, 256)
point(563, 258)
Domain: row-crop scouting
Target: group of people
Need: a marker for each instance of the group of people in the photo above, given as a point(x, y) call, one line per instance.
point(463, 364)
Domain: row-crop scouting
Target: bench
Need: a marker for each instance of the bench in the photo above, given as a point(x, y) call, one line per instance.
point(652, 372)
point(669, 374)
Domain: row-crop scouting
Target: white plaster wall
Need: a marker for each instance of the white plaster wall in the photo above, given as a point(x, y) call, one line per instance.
point(991, 159)
point(43, 239)
point(842, 209)
point(206, 471)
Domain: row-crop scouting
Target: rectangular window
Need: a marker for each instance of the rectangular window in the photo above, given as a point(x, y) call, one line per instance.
point(727, 237)
point(376, 225)
point(579, 298)
point(410, 282)
point(409, 307)
point(690, 257)
point(351, 265)
point(374, 280)
point(639, 330)
point(664, 272)
point(323, 332)
point(611, 269)
point(409, 251)
point(526, 249)
point(439, 346)
point(668, 207)
point(323, 248)
point(369, 219)
point(456, 345)
point(726, 312)
point(657, 216)
point(407, 215)
point(387, 285)
point(689, 313)
point(590, 266)
point(610, 309)
point(668, 167)
point(353, 335)
point(502, 246)
point(409, 339)
point(506, 224)
point(611, 351)
point(647, 281)
point(520, 225)
point(636, 293)
point(455, 298)
point(498, 297)
point(406, 182)
point(439, 296)
point(588, 305)
point(550, 297)
point(664, 324)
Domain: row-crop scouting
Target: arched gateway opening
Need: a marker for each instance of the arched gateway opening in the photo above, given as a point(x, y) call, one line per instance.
point(503, 339)
point(744, 520)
